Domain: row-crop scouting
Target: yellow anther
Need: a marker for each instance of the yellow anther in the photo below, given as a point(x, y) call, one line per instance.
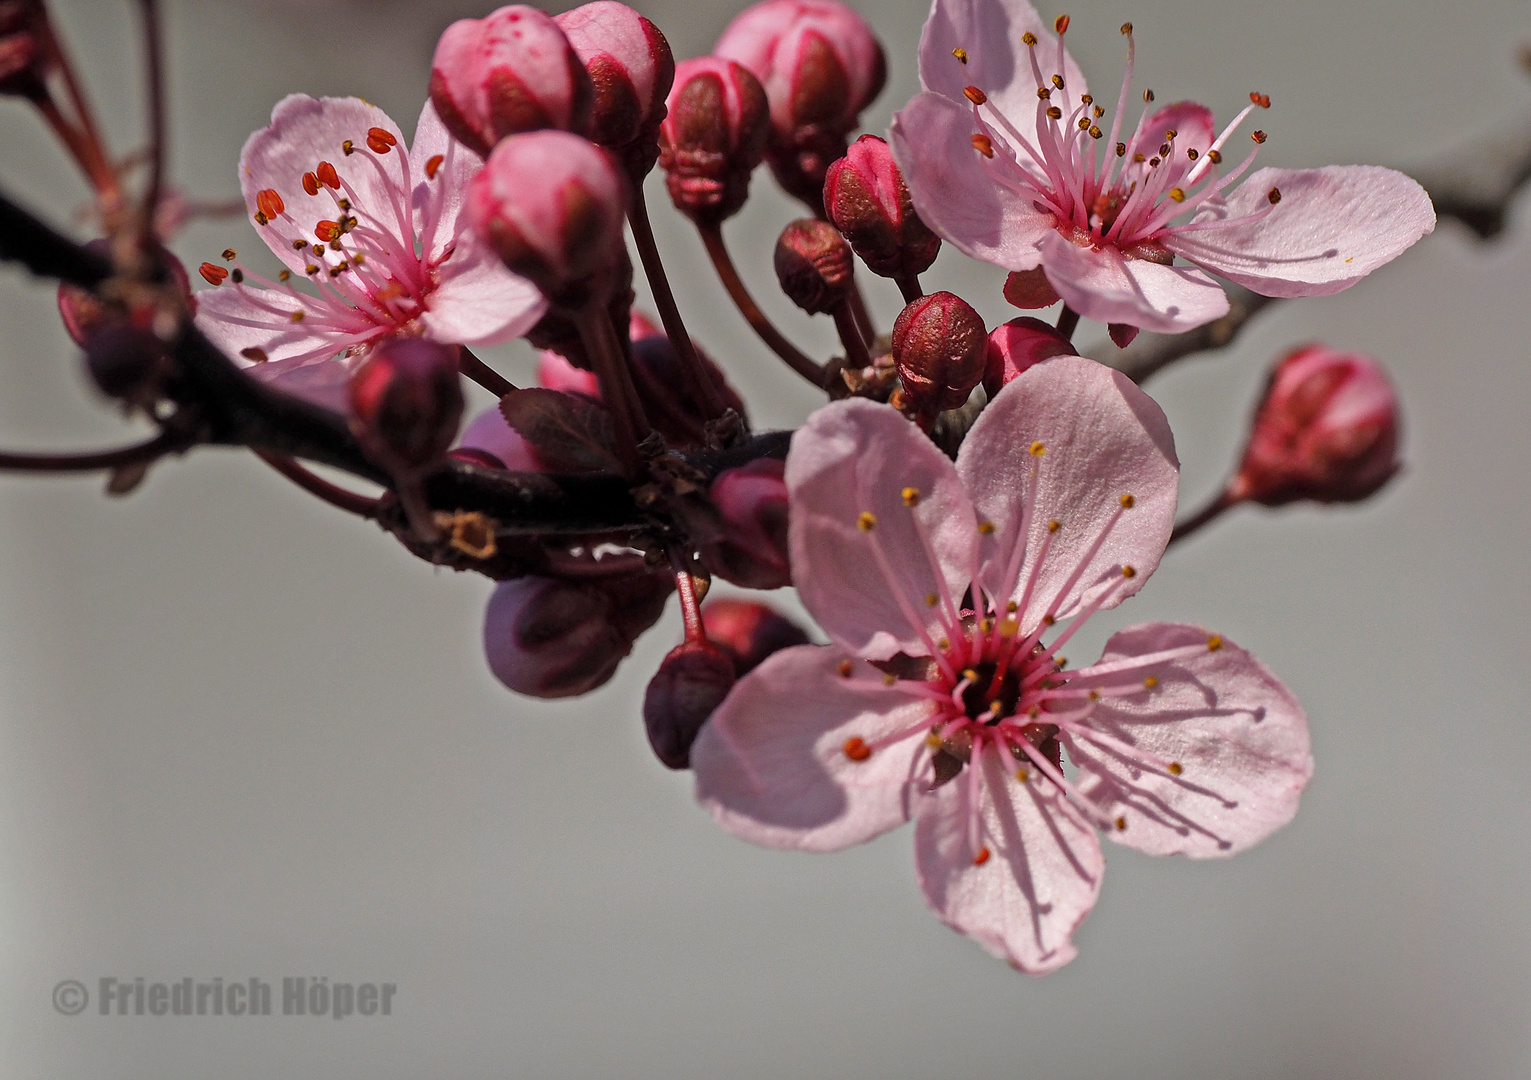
point(1008, 628)
point(1170, 133)
point(1214, 642)
point(961, 54)
point(856, 748)
point(297, 316)
point(1094, 695)
point(943, 644)
point(1095, 132)
point(1150, 682)
point(1191, 154)
point(1044, 92)
point(1058, 81)
point(1178, 194)
point(284, 275)
point(1023, 774)
point(1126, 28)
point(1034, 712)
point(995, 708)
point(1084, 123)
point(1037, 449)
point(1215, 156)
point(1127, 502)
point(982, 144)
point(1273, 196)
point(982, 856)
point(867, 521)
point(1129, 572)
point(1054, 113)
point(1120, 823)
point(1148, 95)
point(986, 528)
point(970, 675)
point(1098, 111)
point(1061, 662)
point(1175, 768)
point(1012, 607)
point(911, 496)
point(931, 599)
point(229, 254)
point(933, 741)
point(986, 625)
point(889, 679)
point(1048, 620)
point(1052, 526)
point(845, 668)
point(1028, 39)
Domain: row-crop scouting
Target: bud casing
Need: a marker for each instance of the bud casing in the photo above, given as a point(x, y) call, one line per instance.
point(713, 137)
point(940, 347)
point(867, 199)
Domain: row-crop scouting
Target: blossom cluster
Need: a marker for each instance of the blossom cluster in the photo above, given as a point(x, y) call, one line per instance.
point(966, 500)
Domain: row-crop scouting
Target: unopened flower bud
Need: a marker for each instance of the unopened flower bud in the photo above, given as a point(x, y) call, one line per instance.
point(83, 313)
point(751, 547)
point(820, 65)
point(940, 347)
point(749, 632)
point(551, 638)
point(867, 199)
point(631, 68)
point(1327, 430)
point(813, 264)
point(713, 137)
point(691, 682)
point(509, 72)
point(1017, 345)
point(123, 359)
point(551, 205)
point(406, 402)
point(489, 440)
point(25, 59)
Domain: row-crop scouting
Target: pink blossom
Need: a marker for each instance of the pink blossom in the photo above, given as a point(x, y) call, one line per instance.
point(374, 228)
point(939, 700)
point(1001, 157)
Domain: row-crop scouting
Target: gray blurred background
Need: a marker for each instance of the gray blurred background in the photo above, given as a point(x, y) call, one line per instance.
point(241, 734)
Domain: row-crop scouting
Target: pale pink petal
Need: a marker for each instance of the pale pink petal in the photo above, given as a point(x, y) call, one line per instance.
point(479, 302)
point(1237, 734)
point(240, 318)
point(771, 762)
point(954, 188)
point(990, 32)
point(1025, 900)
point(1332, 227)
point(1107, 287)
point(1101, 438)
point(1194, 128)
point(324, 384)
point(303, 132)
point(489, 431)
point(437, 201)
point(868, 586)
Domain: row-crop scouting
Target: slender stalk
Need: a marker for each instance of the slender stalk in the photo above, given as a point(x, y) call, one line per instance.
point(94, 160)
point(474, 368)
point(690, 607)
point(166, 442)
point(863, 317)
point(712, 401)
point(856, 355)
point(616, 380)
point(712, 237)
point(654, 393)
point(1207, 514)
point(154, 65)
point(350, 501)
point(1068, 321)
point(78, 144)
point(909, 285)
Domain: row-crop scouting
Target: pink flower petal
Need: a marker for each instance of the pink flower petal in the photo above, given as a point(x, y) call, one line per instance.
point(303, 132)
point(1023, 901)
point(478, 301)
point(1194, 128)
point(1102, 438)
point(322, 384)
point(490, 431)
point(771, 763)
point(437, 201)
point(858, 557)
point(990, 32)
point(954, 191)
point(1104, 286)
point(1332, 227)
point(238, 319)
point(1238, 735)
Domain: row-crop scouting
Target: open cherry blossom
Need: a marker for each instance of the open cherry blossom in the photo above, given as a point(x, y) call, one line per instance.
point(374, 228)
point(941, 698)
point(1001, 156)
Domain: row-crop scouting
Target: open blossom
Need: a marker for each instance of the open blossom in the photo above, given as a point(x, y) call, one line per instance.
point(1009, 157)
point(374, 228)
point(941, 697)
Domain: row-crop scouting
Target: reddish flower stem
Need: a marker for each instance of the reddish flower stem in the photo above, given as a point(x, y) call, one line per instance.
point(350, 501)
point(154, 65)
point(909, 285)
point(856, 355)
point(474, 368)
point(712, 401)
point(862, 315)
point(712, 237)
point(690, 607)
point(1206, 515)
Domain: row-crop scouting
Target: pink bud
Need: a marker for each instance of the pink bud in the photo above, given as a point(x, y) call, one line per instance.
point(631, 67)
point(1017, 345)
point(867, 199)
point(813, 265)
point(489, 437)
point(25, 57)
point(406, 402)
point(509, 72)
point(551, 205)
point(713, 137)
point(940, 347)
point(691, 681)
point(551, 638)
point(751, 547)
point(83, 314)
point(750, 632)
point(820, 65)
point(1327, 430)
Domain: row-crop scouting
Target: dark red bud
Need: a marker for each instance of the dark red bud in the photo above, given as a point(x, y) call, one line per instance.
point(751, 548)
point(83, 314)
point(25, 56)
point(713, 137)
point(1327, 430)
point(691, 682)
point(123, 359)
point(813, 265)
point(750, 632)
point(867, 199)
point(407, 403)
point(1030, 289)
point(1017, 345)
point(940, 347)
